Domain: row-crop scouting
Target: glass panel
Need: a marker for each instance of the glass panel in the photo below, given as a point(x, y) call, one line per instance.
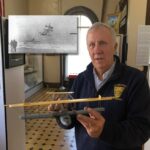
point(33, 73)
point(85, 21)
point(77, 63)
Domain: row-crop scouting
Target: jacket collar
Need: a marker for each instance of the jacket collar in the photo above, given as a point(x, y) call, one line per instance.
point(88, 73)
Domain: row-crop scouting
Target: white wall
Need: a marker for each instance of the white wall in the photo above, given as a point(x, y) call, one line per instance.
point(14, 84)
point(147, 145)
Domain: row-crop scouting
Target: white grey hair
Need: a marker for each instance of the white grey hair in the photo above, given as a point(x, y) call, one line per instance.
point(103, 25)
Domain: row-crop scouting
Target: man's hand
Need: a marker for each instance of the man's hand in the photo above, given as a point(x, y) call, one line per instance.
point(57, 107)
point(94, 123)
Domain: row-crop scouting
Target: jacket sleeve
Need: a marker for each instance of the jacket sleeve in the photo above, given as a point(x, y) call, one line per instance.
point(135, 129)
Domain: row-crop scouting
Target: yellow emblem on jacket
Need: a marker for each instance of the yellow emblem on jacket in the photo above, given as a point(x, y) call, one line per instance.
point(118, 90)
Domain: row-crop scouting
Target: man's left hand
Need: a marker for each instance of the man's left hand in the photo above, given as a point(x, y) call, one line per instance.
point(94, 123)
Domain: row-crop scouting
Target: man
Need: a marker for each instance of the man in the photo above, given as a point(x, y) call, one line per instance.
point(125, 123)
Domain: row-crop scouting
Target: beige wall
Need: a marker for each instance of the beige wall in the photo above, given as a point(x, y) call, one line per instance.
point(136, 16)
point(43, 7)
point(94, 5)
point(15, 7)
point(54, 7)
point(52, 69)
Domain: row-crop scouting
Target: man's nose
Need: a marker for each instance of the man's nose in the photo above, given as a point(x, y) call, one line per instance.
point(97, 47)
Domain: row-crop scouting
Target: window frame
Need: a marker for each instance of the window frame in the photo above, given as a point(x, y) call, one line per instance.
point(81, 10)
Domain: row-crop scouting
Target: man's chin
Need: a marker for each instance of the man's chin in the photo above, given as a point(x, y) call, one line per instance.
point(99, 65)
point(99, 61)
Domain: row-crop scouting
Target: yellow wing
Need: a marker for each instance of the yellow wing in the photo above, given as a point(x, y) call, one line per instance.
point(64, 101)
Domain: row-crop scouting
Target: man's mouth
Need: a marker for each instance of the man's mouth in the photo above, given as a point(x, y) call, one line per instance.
point(98, 57)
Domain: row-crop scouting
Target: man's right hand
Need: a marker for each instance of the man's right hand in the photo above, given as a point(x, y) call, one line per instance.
point(55, 107)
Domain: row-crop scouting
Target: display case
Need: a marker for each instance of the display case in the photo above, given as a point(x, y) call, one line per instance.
point(33, 72)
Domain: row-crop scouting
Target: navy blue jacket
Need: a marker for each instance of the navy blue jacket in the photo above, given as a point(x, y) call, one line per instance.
point(127, 124)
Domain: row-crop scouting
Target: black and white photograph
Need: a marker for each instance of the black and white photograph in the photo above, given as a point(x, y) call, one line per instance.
point(56, 34)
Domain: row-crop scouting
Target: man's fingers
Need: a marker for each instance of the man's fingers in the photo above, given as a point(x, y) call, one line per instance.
point(93, 123)
point(50, 108)
point(84, 120)
point(93, 113)
point(54, 107)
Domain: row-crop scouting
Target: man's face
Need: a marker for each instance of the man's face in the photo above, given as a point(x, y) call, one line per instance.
point(101, 48)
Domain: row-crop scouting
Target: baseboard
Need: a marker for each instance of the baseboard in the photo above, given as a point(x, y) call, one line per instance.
point(51, 85)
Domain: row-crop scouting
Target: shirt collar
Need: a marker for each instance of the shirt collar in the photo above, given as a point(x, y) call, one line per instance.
point(99, 83)
point(106, 74)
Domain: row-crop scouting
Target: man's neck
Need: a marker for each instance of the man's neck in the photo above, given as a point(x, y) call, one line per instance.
point(101, 71)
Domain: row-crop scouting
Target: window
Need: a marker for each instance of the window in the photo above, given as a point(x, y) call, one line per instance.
point(77, 63)
point(74, 64)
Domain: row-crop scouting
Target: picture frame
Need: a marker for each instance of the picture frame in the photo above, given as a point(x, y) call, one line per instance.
point(11, 60)
point(119, 49)
point(113, 20)
point(51, 35)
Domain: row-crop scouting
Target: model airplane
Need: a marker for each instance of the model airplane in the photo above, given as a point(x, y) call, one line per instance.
point(64, 101)
point(64, 113)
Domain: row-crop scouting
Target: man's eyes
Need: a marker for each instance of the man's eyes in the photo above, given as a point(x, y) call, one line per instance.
point(100, 43)
point(92, 45)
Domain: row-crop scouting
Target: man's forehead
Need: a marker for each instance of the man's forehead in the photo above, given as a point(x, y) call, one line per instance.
point(102, 32)
point(100, 29)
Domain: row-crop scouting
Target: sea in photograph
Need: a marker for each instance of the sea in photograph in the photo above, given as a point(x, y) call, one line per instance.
point(45, 48)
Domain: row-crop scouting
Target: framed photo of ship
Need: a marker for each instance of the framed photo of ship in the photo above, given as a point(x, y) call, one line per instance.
point(43, 34)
